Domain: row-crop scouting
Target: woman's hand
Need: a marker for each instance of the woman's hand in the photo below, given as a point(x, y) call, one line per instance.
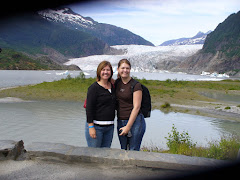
point(92, 133)
point(124, 131)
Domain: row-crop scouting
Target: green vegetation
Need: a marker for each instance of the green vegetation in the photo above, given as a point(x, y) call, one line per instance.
point(225, 37)
point(169, 91)
point(181, 95)
point(227, 107)
point(166, 105)
point(181, 143)
point(12, 60)
point(69, 89)
point(173, 92)
point(32, 34)
point(177, 142)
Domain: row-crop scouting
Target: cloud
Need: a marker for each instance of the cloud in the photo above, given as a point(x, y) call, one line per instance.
point(161, 20)
point(179, 7)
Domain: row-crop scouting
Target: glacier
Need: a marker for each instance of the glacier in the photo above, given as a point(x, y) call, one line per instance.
point(142, 57)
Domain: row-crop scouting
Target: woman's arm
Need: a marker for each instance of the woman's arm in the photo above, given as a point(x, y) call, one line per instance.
point(91, 110)
point(137, 99)
point(92, 131)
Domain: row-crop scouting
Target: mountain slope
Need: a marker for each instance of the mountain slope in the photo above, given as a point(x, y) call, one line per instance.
point(221, 50)
point(199, 38)
point(13, 60)
point(110, 34)
point(31, 33)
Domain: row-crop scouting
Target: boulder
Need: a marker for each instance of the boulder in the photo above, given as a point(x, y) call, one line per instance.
point(12, 150)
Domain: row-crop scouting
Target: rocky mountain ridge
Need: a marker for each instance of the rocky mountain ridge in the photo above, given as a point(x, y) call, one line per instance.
point(220, 52)
point(199, 38)
point(110, 34)
point(32, 34)
point(41, 37)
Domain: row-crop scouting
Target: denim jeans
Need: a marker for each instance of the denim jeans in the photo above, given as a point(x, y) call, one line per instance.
point(137, 131)
point(104, 136)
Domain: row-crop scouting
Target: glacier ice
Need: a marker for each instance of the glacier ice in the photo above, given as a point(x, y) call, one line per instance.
point(142, 58)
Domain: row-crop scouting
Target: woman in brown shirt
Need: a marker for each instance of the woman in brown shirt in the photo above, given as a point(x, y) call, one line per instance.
point(131, 122)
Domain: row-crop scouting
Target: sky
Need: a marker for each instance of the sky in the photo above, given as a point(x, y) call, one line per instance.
point(160, 20)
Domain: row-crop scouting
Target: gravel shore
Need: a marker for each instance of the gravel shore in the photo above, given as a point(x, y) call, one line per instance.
point(218, 110)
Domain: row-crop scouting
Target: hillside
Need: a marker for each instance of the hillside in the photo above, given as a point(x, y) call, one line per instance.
point(31, 33)
point(221, 50)
point(110, 34)
point(54, 36)
point(13, 60)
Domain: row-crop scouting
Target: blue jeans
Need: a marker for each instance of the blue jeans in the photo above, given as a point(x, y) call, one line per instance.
point(137, 131)
point(104, 136)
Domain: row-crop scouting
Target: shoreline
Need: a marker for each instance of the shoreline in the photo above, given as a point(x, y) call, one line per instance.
point(183, 97)
point(232, 114)
point(221, 113)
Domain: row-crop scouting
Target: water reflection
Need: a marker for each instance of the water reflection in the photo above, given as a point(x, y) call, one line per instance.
point(63, 122)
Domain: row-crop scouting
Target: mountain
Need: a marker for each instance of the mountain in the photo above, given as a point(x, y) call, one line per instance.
point(60, 34)
point(32, 34)
point(221, 50)
point(13, 60)
point(199, 38)
point(110, 34)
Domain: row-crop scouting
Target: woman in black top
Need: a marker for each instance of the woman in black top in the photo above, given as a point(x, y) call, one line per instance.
point(101, 108)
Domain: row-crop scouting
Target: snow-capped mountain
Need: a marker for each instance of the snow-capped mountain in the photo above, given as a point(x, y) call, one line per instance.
point(112, 35)
point(67, 16)
point(197, 39)
point(35, 35)
point(142, 58)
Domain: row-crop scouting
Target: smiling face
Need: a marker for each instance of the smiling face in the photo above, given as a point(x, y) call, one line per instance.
point(124, 70)
point(105, 73)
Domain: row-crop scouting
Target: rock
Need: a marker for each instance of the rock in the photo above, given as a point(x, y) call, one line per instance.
point(12, 150)
point(70, 154)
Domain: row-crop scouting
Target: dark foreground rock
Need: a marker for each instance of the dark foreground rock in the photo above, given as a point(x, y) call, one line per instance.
point(67, 153)
point(12, 150)
point(60, 161)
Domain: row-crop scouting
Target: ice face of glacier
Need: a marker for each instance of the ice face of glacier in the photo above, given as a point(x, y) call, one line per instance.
point(142, 58)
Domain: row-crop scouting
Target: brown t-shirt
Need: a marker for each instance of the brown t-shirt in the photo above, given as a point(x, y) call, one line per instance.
point(125, 98)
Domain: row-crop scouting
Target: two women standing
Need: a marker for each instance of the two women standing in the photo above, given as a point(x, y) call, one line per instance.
point(102, 100)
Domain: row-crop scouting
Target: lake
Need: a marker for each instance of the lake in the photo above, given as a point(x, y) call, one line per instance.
point(64, 122)
point(9, 78)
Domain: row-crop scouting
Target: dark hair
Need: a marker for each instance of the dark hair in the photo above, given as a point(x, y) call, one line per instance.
point(124, 61)
point(121, 62)
point(102, 65)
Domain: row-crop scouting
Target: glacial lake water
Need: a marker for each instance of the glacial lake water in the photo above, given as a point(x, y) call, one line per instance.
point(9, 78)
point(64, 122)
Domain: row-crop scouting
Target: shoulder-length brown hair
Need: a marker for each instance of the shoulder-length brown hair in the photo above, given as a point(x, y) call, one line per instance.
point(102, 65)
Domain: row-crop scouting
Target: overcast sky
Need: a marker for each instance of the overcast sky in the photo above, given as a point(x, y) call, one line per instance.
point(160, 20)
